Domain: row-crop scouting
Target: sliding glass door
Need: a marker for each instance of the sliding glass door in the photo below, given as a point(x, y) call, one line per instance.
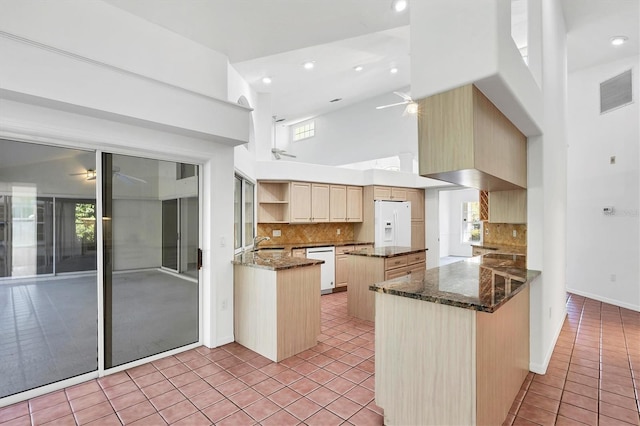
point(151, 241)
point(48, 281)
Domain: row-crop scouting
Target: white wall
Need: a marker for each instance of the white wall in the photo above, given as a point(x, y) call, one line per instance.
point(599, 245)
point(450, 215)
point(547, 192)
point(356, 133)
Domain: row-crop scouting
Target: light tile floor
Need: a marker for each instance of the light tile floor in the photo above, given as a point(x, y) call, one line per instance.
point(590, 380)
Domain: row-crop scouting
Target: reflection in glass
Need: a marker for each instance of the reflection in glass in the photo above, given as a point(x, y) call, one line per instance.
point(151, 238)
point(248, 213)
point(48, 320)
point(237, 213)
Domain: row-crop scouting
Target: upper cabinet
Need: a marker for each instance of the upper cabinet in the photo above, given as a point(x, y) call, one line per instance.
point(464, 139)
point(273, 202)
point(508, 206)
point(416, 196)
point(306, 202)
point(389, 193)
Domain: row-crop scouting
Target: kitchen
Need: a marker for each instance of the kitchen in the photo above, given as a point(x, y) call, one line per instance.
point(257, 160)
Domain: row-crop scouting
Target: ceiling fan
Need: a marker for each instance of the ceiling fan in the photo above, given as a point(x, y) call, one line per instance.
point(411, 105)
point(91, 175)
point(277, 153)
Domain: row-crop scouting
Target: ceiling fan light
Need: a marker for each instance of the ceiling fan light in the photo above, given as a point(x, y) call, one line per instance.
point(619, 40)
point(91, 174)
point(266, 80)
point(399, 5)
point(412, 108)
point(309, 65)
point(358, 68)
point(393, 70)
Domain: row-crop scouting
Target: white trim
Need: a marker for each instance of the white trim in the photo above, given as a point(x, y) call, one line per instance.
point(542, 368)
point(149, 359)
point(605, 299)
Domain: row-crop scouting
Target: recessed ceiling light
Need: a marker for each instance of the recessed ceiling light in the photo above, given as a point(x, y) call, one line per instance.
point(619, 40)
point(399, 5)
point(393, 70)
point(358, 68)
point(266, 80)
point(309, 65)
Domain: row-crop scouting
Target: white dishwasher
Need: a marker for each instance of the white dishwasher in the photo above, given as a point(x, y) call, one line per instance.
point(327, 269)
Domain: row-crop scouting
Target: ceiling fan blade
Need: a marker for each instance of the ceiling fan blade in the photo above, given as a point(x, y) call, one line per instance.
point(392, 105)
point(404, 96)
point(288, 155)
point(128, 179)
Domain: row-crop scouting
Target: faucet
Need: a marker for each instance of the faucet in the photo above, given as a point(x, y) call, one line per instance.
point(258, 240)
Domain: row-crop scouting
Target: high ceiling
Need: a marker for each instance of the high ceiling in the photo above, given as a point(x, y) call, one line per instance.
point(273, 38)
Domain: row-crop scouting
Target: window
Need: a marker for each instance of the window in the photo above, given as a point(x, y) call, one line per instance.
point(244, 213)
point(304, 131)
point(184, 171)
point(471, 224)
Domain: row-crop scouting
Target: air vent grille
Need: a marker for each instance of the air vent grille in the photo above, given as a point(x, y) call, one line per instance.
point(616, 92)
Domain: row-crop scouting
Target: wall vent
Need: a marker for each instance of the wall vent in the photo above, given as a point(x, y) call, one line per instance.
point(616, 92)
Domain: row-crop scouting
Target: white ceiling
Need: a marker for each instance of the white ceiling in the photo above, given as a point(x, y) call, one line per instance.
point(274, 37)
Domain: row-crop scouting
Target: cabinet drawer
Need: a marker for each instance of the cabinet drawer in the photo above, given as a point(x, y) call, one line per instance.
point(417, 267)
point(395, 262)
point(416, 258)
point(397, 273)
point(343, 249)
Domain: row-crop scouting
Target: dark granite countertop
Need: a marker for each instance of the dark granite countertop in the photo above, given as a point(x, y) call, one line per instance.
point(502, 248)
point(272, 261)
point(390, 251)
point(471, 284)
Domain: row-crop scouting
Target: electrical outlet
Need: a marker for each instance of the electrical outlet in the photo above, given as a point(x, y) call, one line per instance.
point(613, 278)
point(223, 242)
point(549, 312)
point(338, 231)
point(612, 159)
point(225, 305)
point(277, 233)
point(514, 233)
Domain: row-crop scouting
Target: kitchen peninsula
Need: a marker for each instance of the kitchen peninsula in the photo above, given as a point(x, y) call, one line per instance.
point(374, 264)
point(276, 303)
point(452, 343)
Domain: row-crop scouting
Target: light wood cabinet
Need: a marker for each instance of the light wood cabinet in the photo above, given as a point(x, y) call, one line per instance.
point(342, 265)
point(273, 202)
point(508, 206)
point(300, 203)
point(309, 202)
point(464, 139)
point(354, 204)
point(416, 197)
point(320, 200)
point(367, 270)
point(389, 193)
point(418, 235)
point(338, 203)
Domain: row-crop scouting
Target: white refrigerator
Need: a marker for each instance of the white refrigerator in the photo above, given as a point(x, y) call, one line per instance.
point(392, 223)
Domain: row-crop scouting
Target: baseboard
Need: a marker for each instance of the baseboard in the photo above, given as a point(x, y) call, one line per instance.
point(605, 300)
point(542, 368)
point(225, 340)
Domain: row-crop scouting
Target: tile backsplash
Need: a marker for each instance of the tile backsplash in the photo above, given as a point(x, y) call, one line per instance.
point(306, 233)
point(502, 233)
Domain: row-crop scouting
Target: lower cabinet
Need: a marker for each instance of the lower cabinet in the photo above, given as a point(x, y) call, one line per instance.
point(342, 265)
point(397, 267)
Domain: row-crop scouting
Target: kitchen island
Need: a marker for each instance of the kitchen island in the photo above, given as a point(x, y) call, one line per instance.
point(452, 343)
point(374, 264)
point(276, 303)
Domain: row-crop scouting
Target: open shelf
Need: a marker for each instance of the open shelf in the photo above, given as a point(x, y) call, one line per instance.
point(273, 202)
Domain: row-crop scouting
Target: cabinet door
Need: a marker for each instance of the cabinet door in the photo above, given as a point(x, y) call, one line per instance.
point(399, 194)
point(508, 206)
point(354, 204)
point(338, 203)
point(342, 270)
point(416, 196)
point(300, 202)
point(320, 197)
point(382, 193)
point(417, 235)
